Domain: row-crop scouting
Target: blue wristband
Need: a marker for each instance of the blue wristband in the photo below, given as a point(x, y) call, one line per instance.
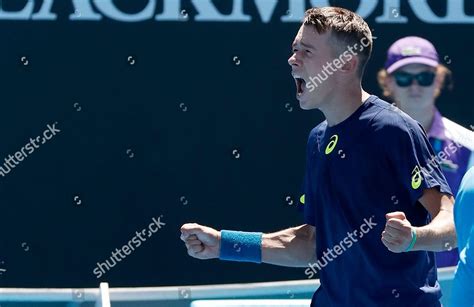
point(241, 246)
point(413, 240)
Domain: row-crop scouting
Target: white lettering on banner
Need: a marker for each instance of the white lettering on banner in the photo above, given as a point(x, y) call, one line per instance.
point(110, 10)
point(207, 11)
point(24, 14)
point(171, 11)
point(95, 10)
point(295, 11)
point(265, 9)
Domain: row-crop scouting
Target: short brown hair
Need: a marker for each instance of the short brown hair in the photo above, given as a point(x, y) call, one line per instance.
point(347, 28)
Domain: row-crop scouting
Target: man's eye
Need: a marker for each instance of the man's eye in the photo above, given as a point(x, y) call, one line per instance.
point(308, 51)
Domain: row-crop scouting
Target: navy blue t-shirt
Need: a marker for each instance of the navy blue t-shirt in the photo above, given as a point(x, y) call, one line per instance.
point(372, 163)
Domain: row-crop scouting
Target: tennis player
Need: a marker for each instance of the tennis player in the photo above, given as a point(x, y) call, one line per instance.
point(413, 78)
point(462, 294)
point(367, 202)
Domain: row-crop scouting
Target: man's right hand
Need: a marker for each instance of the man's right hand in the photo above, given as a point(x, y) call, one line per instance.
point(202, 242)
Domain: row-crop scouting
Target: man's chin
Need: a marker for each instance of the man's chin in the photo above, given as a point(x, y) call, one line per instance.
point(306, 104)
point(304, 107)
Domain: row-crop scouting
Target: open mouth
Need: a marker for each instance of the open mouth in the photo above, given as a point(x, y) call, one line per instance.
point(300, 85)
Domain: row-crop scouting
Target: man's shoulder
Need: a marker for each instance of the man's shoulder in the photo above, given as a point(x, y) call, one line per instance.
point(319, 127)
point(458, 134)
point(390, 120)
point(318, 130)
point(379, 118)
point(315, 133)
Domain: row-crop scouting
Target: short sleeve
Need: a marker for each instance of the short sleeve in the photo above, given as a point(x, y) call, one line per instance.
point(412, 159)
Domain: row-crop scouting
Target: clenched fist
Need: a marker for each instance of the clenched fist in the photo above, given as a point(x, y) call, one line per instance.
point(397, 234)
point(202, 242)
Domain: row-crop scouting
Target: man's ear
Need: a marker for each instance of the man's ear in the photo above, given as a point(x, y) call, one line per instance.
point(351, 65)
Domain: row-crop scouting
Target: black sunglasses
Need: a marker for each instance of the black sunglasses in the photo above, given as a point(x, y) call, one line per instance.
point(404, 79)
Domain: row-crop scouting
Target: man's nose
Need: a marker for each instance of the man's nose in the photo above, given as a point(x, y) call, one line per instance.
point(293, 61)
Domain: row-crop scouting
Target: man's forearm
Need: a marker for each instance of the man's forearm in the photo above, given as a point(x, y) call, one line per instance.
point(439, 235)
point(292, 247)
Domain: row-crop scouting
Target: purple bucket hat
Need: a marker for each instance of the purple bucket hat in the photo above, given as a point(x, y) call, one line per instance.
point(410, 50)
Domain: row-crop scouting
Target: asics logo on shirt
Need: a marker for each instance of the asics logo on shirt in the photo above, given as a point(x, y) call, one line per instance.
point(332, 144)
point(416, 178)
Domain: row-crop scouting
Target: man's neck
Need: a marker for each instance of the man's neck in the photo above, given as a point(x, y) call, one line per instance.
point(340, 108)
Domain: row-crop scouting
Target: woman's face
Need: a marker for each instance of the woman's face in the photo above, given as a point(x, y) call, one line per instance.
point(413, 87)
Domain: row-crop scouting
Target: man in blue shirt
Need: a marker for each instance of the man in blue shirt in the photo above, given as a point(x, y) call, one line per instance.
point(374, 213)
point(462, 294)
